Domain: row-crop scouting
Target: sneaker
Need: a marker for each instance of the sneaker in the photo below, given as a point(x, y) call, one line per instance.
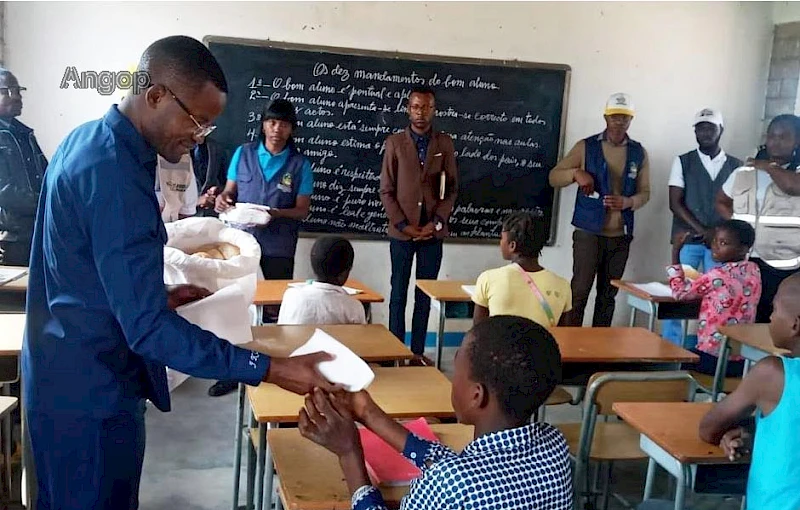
point(221, 388)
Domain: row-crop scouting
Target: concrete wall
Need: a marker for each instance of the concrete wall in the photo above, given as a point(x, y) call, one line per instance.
point(674, 58)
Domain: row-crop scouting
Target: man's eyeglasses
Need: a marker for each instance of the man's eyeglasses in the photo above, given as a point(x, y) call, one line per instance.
point(201, 131)
point(12, 91)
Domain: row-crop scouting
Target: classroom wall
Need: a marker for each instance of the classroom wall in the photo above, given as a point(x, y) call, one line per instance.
point(674, 58)
point(785, 12)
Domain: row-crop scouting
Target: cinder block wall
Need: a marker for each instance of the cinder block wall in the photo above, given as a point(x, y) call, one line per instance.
point(784, 73)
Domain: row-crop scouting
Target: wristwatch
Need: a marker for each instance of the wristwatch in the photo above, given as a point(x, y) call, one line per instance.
point(438, 226)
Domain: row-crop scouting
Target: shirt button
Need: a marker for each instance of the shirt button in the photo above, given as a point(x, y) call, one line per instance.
point(419, 204)
point(413, 455)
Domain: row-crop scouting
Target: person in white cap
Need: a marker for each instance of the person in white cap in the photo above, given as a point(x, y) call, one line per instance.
point(694, 182)
point(612, 173)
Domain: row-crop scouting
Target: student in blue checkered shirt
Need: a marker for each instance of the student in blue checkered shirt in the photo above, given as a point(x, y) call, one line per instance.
point(505, 369)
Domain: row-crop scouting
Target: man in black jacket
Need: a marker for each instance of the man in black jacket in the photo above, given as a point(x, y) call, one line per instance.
point(210, 162)
point(22, 167)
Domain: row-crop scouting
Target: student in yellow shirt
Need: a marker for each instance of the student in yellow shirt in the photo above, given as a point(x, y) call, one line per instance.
point(522, 288)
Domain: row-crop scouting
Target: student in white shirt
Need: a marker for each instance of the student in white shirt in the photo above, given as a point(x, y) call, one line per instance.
point(176, 189)
point(324, 301)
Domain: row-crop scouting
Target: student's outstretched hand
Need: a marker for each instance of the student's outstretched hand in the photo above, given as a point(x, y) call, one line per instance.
point(358, 404)
point(736, 443)
point(329, 425)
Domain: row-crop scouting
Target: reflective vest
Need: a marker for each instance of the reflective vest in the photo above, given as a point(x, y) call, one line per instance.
point(776, 222)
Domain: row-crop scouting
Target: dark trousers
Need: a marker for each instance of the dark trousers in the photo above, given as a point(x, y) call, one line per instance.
point(708, 365)
point(604, 257)
point(87, 463)
point(429, 260)
point(276, 268)
point(771, 279)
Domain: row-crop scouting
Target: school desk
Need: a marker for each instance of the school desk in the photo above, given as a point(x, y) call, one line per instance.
point(756, 343)
point(443, 292)
point(270, 292)
point(657, 307)
point(370, 342)
point(311, 478)
point(402, 392)
point(669, 436)
point(12, 331)
point(617, 345)
point(12, 294)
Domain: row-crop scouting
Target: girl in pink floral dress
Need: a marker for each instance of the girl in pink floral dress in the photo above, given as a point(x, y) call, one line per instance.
point(729, 293)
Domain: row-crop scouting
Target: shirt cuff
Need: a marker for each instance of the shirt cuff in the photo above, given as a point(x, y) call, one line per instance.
point(367, 497)
point(416, 450)
point(249, 367)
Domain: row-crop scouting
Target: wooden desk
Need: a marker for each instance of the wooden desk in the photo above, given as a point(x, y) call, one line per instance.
point(441, 293)
point(310, 476)
point(12, 331)
point(270, 292)
point(617, 345)
point(402, 392)
point(13, 293)
point(669, 436)
point(756, 343)
point(370, 342)
point(657, 306)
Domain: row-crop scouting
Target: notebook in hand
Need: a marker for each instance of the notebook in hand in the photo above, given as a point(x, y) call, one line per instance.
point(387, 466)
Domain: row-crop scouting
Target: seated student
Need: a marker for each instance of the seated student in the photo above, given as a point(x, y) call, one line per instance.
point(505, 369)
point(324, 301)
point(729, 292)
point(772, 390)
point(523, 288)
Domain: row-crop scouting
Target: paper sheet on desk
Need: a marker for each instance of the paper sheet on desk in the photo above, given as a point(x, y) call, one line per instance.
point(9, 275)
point(347, 369)
point(655, 289)
point(224, 313)
point(469, 289)
point(350, 290)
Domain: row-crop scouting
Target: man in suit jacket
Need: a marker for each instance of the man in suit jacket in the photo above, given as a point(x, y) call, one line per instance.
point(419, 183)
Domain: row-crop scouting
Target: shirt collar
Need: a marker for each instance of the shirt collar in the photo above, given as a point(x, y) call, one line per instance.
point(603, 138)
point(128, 134)
point(263, 153)
point(508, 440)
point(328, 286)
point(417, 138)
point(15, 125)
point(719, 157)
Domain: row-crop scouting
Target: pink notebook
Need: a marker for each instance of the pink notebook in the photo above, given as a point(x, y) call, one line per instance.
point(387, 466)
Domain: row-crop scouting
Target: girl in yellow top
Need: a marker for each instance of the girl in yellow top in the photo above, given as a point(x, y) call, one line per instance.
point(522, 288)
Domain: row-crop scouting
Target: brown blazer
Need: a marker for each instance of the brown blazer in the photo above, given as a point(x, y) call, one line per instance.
point(405, 186)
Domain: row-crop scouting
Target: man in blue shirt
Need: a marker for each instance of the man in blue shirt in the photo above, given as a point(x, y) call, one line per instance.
point(271, 171)
point(100, 324)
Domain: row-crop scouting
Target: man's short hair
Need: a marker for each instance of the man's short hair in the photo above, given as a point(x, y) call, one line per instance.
point(331, 256)
point(422, 89)
point(517, 360)
point(182, 59)
point(528, 231)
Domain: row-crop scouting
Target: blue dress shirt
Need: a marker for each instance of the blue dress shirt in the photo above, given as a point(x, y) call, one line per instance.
point(98, 331)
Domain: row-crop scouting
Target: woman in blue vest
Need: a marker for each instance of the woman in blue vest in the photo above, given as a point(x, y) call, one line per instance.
point(271, 172)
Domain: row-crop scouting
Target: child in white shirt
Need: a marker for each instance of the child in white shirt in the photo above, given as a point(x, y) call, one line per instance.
point(324, 301)
point(176, 189)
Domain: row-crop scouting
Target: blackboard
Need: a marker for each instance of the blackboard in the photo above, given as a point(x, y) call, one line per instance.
point(506, 119)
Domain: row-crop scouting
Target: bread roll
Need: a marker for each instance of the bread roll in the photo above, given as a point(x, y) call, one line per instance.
point(218, 251)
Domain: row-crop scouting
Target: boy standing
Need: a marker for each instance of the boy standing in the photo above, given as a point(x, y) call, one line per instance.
point(505, 369)
point(324, 301)
point(772, 390)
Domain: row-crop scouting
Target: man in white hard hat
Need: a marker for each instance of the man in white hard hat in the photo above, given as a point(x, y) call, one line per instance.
point(612, 174)
point(694, 182)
